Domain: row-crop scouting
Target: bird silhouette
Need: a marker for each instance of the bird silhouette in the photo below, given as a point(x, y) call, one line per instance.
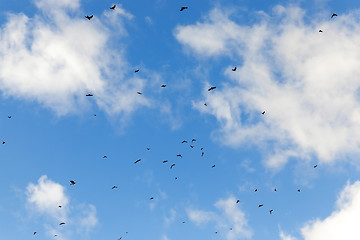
point(183, 222)
point(35, 233)
point(179, 155)
point(137, 70)
point(137, 161)
point(315, 166)
point(211, 88)
point(114, 187)
point(193, 140)
point(176, 178)
point(234, 69)
point(256, 190)
point(139, 93)
point(113, 7)
point(9, 117)
point(212, 166)
point(275, 189)
point(163, 85)
point(89, 95)
point(165, 161)
point(260, 205)
point(263, 113)
point(3, 142)
point(237, 201)
point(151, 198)
point(184, 141)
point(172, 166)
point(191, 146)
point(148, 149)
point(72, 182)
point(320, 31)
point(298, 190)
point(271, 211)
point(333, 15)
point(61, 223)
point(60, 206)
point(205, 104)
point(89, 17)
point(105, 156)
point(183, 8)
point(202, 154)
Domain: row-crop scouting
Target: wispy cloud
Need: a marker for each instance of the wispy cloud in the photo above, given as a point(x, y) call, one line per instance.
point(306, 81)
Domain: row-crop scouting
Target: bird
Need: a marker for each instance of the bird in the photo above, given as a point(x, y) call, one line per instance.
point(72, 182)
point(55, 235)
point(9, 117)
point(151, 198)
point(333, 15)
point(213, 166)
point(105, 156)
point(119, 238)
point(211, 88)
point(113, 7)
point(260, 205)
point(275, 189)
point(172, 166)
point(205, 104)
point(163, 85)
point(139, 93)
point(263, 113)
point(183, 222)
point(89, 95)
point(94, 115)
point(201, 148)
point(183, 8)
point(114, 187)
point(60, 206)
point(271, 211)
point(179, 155)
point(184, 141)
point(165, 161)
point(89, 17)
point(137, 70)
point(256, 190)
point(148, 149)
point(298, 190)
point(315, 166)
point(191, 146)
point(216, 232)
point(320, 31)
point(234, 69)
point(230, 228)
point(62, 223)
point(137, 161)
point(3, 142)
point(176, 178)
point(35, 233)
point(202, 154)
point(237, 201)
point(193, 140)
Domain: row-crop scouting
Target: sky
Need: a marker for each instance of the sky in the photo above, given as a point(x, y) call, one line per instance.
point(222, 187)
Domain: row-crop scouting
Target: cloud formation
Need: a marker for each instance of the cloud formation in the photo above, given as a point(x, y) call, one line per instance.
point(56, 59)
point(307, 82)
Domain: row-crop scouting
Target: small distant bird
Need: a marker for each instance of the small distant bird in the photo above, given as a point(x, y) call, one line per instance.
point(148, 149)
point(202, 154)
point(275, 189)
point(212, 166)
point(211, 88)
point(163, 85)
point(35, 233)
point(271, 211)
point(216, 232)
point(55, 235)
point(89, 17)
point(184, 141)
point(139, 93)
point(3, 142)
point(119, 238)
point(137, 70)
point(299, 190)
point(320, 30)
point(165, 161)
point(105, 156)
point(151, 198)
point(94, 115)
point(137, 161)
point(205, 104)
point(62, 223)
point(260, 205)
point(72, 182)
point(60, 206)
point(234, 69)
point(113, 7)
point(263, 113)
point(183, 222)
point(9, 116)
point(230, 229)
point(256, 190)
point(89, 95)
point(315, 166)
point(172, 166)
point(176, 178)
point(193, 140)
point(183, 8)
point(114, 187)
point(191, 146)
point(179, 155)
point(333, 15)
point(201, 148)
point(237, 201)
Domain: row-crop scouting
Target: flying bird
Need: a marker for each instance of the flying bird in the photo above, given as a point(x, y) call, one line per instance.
point(256, 190)
point(172, 166)
point(9, 117)
point(260, 205)
point(151, 198)
point(184, 141)
point(137, 161)
point(139, 93)
point(237, 201)
point(114, 187)
point(193, 140)
point(35, 233)
point(183, 222)
point(165, 161)
point(320, 31)
point(211, 88)
point(113, 7)
point(275, 189)
point(72, 182)
point(137, 70)
point(315, 166)
point(176, 178)
point(202, 154)
point(179, 155)
point(3, 142)
point(271, 211)
point(212, 166)
point(89, 17)
point(89, 95)
point(60, 206)
point(263, 113)
point(299, 190)
point(105, 156)
point(62, 223)
point(333, 15)
point(205, 104)
point(183, 8)
point(148, 149)
point(163, 85)
point(191, 146)
point(234, 69)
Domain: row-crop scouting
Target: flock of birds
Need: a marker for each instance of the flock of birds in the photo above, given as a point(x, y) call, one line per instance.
point(72, 182)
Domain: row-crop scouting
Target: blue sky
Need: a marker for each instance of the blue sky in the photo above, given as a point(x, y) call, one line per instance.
point(307, 83)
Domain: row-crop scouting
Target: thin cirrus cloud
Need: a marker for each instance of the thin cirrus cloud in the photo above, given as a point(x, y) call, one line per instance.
point(55, 59)
point(307, 82)
point(230, 216)
point(341, 224)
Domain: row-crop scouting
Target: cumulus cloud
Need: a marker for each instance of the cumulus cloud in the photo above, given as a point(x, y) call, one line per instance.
point(55, 59)
point(230, 216)
point(307, 82)
point(341, 224)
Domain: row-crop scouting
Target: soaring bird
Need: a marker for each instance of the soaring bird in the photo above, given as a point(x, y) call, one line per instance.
point(9, 116)
point(237, 201)
point(299, 190)
point(183, 222)
point(205, 104)
point(320, 31)
point(179, 155)
point(151, 198)
point(213, 166)
point(256, 190)
point(184, 141)
point(176, 178)
point(263, 113)
point(260, 205)
point(333, 15)
point(137, 161)
point(191, 146)
point(315, 166)
point(165, 161)
point(137, 70)
point(105, 156)
point(72, 182)
point(234, 69)
point(271, 211)
point(202, 154)
point(275, 189)
point(113, 7)
point(172, 166)
point(62, 223)
point(139, 93)
point(114, 187)
point(60, 206)
point(89, 95)
point(35, 233)
point(3, 142)
point(183, 8)
point(163, 85)
point(193, 140)
point(148, 149)
point(89, 17)
point(211, 88)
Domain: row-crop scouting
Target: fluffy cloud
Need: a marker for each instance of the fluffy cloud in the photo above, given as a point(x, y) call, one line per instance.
point(55, 59)
point(230, 216)
point(307, 82)
point(341, 224)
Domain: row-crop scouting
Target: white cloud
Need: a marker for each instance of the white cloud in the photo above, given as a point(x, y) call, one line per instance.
point(56, 59)
point(230, 216)
point(89, 219)
point(307, 82)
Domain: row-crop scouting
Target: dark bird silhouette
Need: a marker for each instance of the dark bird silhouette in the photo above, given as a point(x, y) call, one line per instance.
point(202, 154)
point(201, 148)
point(212, 166)
point(193, 140)
point(211, 88)
point(179, 155)
point(184, 141)
point(260, 205)
point(114, 187)
point(237, 201)
point(55, 235)
point(183, 222)
point(139, 93)
point(298, 190)
point(205, 104)
point(234, 69)
point(9, 116)
point(271, 211)
point(60, 206)
point(89, 17)
point(148, 149)
point(113, 7)
point(176, 178)
point(230, 229)
point(165, 161)
point(315, 166)
point(320, 31)
point(89, 95)
point(263, 113)
point(62, 223)
point(105, 156)
point(163, 85)
point(216, 232)
point(137, 161)
point(94, 115)
point(333, 15)
point(151, 198)
point(183, 8)
point(256, 190)
point(3, 142)
point(191, 146)
point(72, 182)
point(35, 233)
point(275, 189)
point(172, 166)
point(137, 70)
